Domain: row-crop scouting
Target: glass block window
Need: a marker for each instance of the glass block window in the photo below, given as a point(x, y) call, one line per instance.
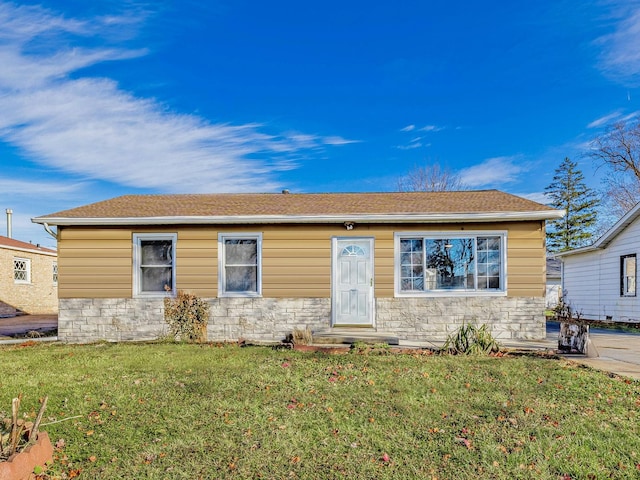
point(54, 273)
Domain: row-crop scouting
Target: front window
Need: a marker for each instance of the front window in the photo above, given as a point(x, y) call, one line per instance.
point(21, 270)
point(239, 258)
point(628, 275)
point(154, 264)
point(449, 263)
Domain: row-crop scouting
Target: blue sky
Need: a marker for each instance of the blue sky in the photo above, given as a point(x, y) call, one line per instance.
point(108, 97)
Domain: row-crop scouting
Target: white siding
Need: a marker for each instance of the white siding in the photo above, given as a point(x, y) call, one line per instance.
point(591, 280)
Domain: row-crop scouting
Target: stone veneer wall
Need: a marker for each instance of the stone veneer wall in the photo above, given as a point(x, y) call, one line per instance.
point(435, 318)
point(270, 319)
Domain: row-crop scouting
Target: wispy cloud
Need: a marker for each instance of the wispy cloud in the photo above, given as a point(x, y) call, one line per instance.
point(26, 188)
point(493, 172)
point(539, 197)
point(92, 128)
point(620, 57)
point(411, 146)
point(417, 142)
point(430, 128)
point(599, 122)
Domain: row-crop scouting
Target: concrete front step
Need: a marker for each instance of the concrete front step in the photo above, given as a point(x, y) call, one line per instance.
point(351, 336)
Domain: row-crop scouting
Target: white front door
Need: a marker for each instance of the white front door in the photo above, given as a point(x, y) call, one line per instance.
point(352, 286)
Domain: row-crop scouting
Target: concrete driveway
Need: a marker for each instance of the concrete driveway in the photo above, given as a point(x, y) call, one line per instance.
point(610, 350)
point(22, 324)
point(614, 352)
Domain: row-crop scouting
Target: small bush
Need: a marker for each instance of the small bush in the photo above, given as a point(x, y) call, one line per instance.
point(302, 336)
point(471, 340)
point(187, 316)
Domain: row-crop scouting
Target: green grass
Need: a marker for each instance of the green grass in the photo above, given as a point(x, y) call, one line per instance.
point(204, 411)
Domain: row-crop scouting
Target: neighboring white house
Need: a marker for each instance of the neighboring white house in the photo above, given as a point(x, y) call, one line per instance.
point(554, 279)
point(599, 281)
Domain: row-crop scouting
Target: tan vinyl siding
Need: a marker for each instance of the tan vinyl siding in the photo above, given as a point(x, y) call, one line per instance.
point(94, 263)
point(296, 259)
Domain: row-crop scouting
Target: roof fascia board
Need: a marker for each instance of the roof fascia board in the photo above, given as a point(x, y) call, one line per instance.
point(262, 219)
point(609, 235)
point(29, 250)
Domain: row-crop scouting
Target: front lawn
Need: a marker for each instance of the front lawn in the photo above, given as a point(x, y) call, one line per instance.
point(205, 411)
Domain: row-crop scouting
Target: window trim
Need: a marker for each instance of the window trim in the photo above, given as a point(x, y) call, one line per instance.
point(27, 262)
point(623, 290)
point(222, 236)
point(431, 235)
point(137, 257)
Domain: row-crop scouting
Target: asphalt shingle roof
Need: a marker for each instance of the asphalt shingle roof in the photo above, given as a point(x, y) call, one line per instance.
point(308, 204)
point(13, 243)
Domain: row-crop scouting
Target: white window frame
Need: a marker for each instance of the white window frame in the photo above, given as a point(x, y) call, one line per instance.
point(221, 263)
point(27, 263)
point(54, 273)
point(137, 257)
point(435, 235)
point(625, 284)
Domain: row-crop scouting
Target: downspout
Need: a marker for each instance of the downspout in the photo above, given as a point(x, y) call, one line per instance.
point(47, 228)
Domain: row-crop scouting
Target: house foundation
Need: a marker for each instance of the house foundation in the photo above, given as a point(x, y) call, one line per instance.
point(83, 320)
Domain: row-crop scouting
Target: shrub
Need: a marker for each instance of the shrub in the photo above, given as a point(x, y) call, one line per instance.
point(471, 340)
point(187, 316)
point(302, 336)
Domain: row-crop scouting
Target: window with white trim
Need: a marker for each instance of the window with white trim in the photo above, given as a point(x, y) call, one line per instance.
point(54, 273)
point(21, 270)
point(449, 263)
point(240, 264)
point(628, 275)
point(154, 264)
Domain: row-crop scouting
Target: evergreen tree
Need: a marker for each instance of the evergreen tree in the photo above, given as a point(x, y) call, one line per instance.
point(568, 192)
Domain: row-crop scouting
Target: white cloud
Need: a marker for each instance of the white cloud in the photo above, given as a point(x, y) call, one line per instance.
point(492, 172)
point(27, 188)
point(337, 141)
point(430, 128)
point(539, 197)
point(411, 146)
point(408, 128)
point(620, 57)
point(90, 127)
point(599, 122)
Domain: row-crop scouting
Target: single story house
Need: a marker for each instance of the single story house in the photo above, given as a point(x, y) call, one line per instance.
point(28, 278)
point(417, 265)
point(599, 281)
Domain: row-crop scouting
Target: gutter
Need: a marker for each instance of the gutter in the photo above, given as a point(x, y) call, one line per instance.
point(267, 219)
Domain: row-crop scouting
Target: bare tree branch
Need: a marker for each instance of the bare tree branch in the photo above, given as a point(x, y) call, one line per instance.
point(618, 148)
point(430, 178)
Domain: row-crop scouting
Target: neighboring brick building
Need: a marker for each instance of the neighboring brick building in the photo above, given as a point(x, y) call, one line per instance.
point(28, 278)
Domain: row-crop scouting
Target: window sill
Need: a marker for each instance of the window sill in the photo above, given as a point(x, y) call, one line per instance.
point(155, 295)
point(240, 295)
point(452, 293)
